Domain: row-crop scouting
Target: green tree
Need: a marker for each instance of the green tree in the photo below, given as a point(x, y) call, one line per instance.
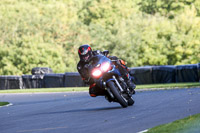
point(167, 8)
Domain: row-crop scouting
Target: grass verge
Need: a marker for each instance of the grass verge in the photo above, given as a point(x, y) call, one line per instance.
point(169, 85)
point(4, 103)
point(67, 89)
point(190, 124)
point(41, 90)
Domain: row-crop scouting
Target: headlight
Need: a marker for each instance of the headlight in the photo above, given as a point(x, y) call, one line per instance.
point(96, 73)
point(105, 67)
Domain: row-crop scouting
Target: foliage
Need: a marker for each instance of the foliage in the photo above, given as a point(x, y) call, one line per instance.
point(44, 33)
point(106, 12)
point(25, 56)
point(164, 7)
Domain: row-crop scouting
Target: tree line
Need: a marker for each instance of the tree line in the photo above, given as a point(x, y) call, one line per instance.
point(41, 33)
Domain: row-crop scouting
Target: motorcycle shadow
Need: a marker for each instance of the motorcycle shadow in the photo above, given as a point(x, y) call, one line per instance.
point(93, 109)
point(85, 110)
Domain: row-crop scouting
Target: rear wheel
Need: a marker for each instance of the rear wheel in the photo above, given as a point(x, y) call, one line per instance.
point(117, 94)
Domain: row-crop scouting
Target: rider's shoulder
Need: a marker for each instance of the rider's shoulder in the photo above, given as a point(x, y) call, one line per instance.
point(113, 57)
point(97, 52)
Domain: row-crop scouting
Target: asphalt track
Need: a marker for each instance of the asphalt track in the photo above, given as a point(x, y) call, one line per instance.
point(77, 112)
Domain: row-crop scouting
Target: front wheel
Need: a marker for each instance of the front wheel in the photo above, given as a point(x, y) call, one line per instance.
point(117, 94)
point(130, 101)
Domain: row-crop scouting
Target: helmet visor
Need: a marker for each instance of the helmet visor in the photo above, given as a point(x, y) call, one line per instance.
point(85, 57)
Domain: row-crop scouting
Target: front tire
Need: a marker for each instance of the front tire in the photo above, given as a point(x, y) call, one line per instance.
point(115, 91)
point(130, 101)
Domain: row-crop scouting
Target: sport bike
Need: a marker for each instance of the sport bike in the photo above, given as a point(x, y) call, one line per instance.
point(107, 76)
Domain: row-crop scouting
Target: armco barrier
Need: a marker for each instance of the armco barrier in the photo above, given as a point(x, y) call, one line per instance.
point(54, 80)
point(142, 75)
point(10, 82)
point(187, 73)
point(33, 81)
point(163, 74)
point(73, 79)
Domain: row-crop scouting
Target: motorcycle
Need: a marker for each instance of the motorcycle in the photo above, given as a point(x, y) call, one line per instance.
point(107, 76)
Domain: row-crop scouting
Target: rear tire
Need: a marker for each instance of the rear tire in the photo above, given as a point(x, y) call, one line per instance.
point(122, 100)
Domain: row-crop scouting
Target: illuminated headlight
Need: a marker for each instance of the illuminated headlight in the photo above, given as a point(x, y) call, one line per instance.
point(96, 73)
point(105, 67)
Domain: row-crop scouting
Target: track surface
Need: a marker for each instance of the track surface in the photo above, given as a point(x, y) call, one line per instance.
point(80, 113)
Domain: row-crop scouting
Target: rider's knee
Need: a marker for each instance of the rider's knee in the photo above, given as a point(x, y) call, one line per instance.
point(93, 95)
point(92, 91)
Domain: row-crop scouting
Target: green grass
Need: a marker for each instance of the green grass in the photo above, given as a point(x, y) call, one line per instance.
point(3, 103)
point(40, 90)
point(67, 89)
point(190, 124)
point(169, 85)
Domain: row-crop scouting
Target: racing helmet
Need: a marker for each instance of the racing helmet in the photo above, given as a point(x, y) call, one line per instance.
point(85, 52)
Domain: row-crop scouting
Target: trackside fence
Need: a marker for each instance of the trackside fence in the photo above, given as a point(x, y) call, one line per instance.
point(45, 78)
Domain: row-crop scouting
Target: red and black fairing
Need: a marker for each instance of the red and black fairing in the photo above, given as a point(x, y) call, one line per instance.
point(107, 76)
point(101, 69)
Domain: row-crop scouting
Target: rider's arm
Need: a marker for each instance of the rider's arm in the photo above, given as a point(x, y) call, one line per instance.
point(113, 58)
point(98, 52)
point(82, 69)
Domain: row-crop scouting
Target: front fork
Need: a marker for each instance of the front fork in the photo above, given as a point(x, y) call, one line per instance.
point(119, 86)
point(108, 89)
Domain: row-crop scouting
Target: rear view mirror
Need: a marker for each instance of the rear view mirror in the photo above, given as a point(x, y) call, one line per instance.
point(105, 52)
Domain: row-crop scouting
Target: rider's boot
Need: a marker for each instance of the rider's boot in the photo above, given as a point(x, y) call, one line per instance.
point(126, 76)
point(130, 84)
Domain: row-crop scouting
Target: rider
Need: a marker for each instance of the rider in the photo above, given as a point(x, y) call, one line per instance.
point(85, 53)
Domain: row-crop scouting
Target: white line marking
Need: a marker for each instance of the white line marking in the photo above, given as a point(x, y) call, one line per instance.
point(143, 131)
point(42, 129)
point(10, 104)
